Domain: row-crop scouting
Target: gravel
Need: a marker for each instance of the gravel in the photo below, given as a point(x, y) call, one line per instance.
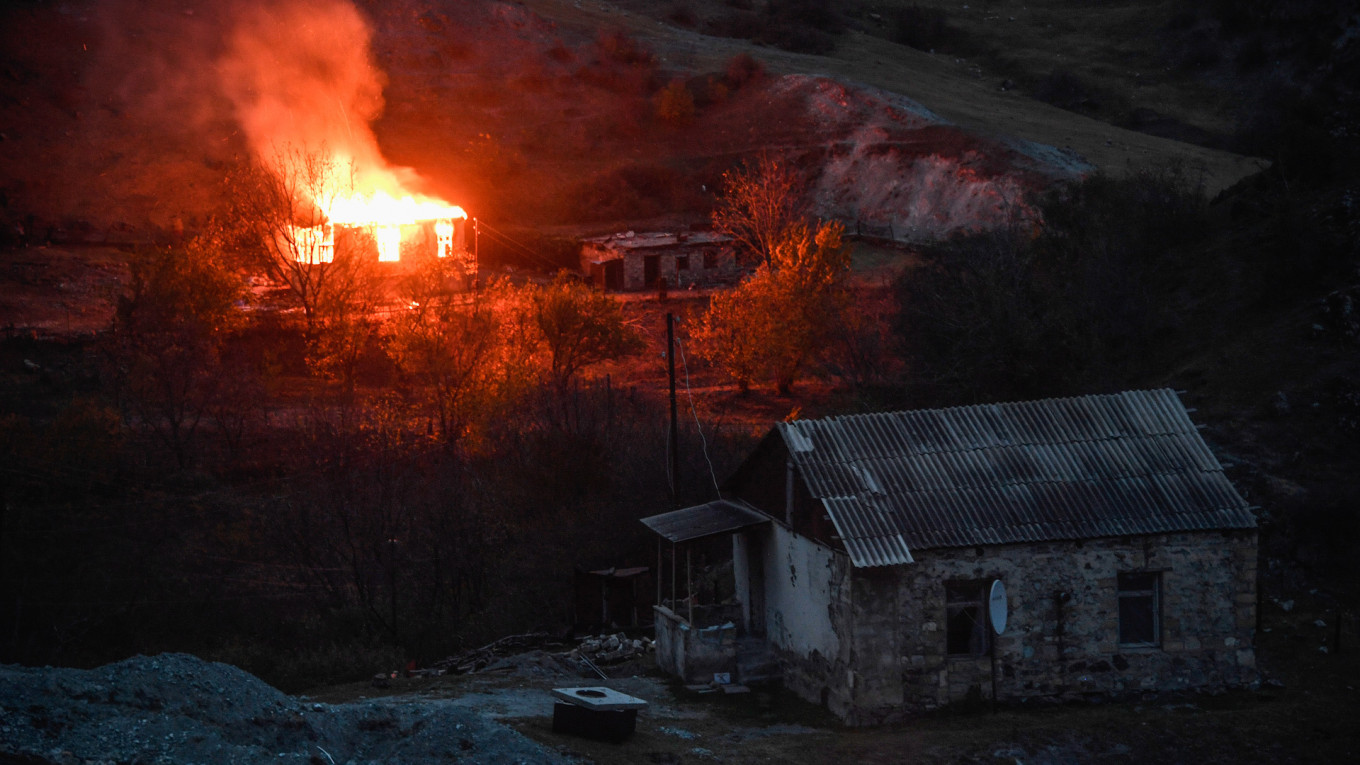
point(176, 708)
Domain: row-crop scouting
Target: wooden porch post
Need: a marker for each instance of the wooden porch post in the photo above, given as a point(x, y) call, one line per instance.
point(689, 585)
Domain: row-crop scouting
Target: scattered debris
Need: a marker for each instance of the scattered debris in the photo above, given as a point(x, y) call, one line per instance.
point(610, 649)
point(523, 653)
point(479, 658)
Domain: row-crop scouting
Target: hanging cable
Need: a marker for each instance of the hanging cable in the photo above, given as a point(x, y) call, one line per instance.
point(510, 241)
point(698, 425)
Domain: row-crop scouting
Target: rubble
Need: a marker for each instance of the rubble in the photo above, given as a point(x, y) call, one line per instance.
point(611, 649)
point(521, 653)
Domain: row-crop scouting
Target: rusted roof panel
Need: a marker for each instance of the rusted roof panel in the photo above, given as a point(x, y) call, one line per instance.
point(1131, 463)
point(720, 516)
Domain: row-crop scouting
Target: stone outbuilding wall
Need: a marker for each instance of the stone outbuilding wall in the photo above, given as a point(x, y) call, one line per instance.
point(637, 261)
point(1062, 640)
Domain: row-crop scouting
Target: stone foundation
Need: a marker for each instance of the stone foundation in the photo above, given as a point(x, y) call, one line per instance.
point(1062, 639)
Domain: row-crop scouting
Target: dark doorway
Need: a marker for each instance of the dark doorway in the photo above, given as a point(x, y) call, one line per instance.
point(613, 275)
point(651, 269)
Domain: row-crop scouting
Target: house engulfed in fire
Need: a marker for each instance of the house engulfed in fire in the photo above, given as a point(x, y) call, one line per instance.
point(632, 261)
point(866, 551)
point(389, 242)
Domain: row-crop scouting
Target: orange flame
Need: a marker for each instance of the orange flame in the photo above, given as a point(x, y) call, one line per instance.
point(301, 73)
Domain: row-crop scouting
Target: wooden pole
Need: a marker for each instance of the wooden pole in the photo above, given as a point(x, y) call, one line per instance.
point(1336, 636)
point(675, 432)
point(689, 585)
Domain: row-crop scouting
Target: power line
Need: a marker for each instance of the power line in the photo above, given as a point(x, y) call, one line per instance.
point(506, 239)
point(698, 425)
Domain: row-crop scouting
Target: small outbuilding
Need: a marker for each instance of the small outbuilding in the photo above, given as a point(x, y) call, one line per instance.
point(867, 552)
point(639, 261)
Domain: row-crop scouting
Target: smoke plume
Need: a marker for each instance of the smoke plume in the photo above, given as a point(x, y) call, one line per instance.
point(300, 73)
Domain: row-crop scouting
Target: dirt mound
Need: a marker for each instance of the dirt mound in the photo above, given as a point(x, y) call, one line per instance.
point(178, 708)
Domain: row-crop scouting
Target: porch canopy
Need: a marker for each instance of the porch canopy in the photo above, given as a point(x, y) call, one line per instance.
point(721, 516)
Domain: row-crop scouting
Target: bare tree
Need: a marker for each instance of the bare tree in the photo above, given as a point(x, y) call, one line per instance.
point(760, 200)
point(281, 203)
point(167, 338)
point(451, 342)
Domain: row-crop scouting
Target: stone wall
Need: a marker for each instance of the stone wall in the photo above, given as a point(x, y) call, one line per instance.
point(892, 626)
point(693, 655)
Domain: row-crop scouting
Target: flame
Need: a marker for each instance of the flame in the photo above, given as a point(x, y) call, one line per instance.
point(443, 229)
point(314, 244)
point(380, 208)
point(384, 214)
point(302, 73)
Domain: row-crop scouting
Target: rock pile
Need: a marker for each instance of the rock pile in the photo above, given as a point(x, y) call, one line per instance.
point(612, 649)
point(175, 708)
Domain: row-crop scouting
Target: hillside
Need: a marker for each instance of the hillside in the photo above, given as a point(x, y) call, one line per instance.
point(314, 529)
point(540, 117)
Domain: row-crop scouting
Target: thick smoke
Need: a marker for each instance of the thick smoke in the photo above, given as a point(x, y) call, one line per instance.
point(300, 74)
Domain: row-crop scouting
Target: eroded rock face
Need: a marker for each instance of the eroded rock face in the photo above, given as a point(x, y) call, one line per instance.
point(178, 708)
point(896, 170)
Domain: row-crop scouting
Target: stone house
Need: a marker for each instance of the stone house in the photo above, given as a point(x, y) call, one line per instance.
point(865, 549)
point(632, 261)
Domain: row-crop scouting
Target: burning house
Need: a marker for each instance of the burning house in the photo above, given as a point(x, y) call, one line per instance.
point(388, 233)
point(898, 562)
point(632, 261)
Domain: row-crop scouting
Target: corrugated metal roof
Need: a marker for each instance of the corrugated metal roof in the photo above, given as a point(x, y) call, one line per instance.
point(1072, 468)
point(717, 517)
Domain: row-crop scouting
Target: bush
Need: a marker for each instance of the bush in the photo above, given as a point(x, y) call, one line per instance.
point(926, 29)
point(800, 26)
point(791, 35)
point(740, 25)
point(620, 64)
point(681, 14)
point(743, 69)
point(1064, 89)
point(674, 103)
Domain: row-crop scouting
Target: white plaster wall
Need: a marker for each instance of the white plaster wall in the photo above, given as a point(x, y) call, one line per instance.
point(798, 584)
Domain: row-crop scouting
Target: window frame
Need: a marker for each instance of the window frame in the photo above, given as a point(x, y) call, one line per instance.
point(960, 596)
point(1128, 589)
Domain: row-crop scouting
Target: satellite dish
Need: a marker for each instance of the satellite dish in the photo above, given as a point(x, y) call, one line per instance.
point(996, 606)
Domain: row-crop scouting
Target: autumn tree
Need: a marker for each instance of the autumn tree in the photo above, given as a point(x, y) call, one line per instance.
point(579, 327)
point(759, 201)
point(776, 322)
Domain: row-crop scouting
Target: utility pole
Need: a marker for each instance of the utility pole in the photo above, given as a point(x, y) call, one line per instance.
point(392, 585)
point(675, 432)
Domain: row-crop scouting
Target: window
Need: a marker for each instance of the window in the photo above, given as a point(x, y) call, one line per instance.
point(1139, 609)
point(681, 262)
point(966, 632)
point(710, 260)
